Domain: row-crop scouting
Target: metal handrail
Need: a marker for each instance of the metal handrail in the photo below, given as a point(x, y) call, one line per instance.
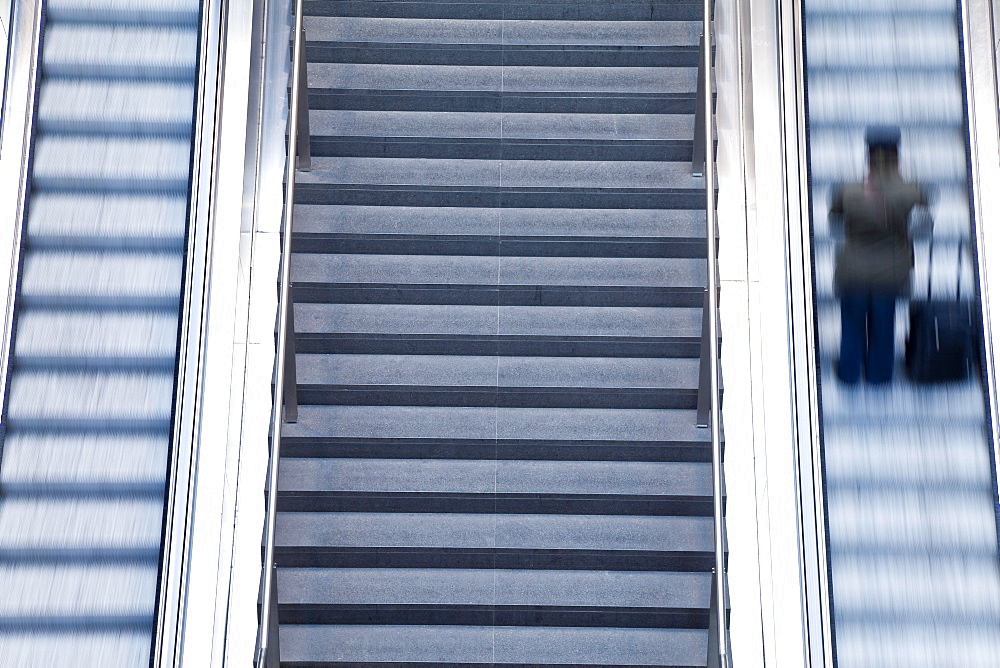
point(267, 593)
point(718, 603)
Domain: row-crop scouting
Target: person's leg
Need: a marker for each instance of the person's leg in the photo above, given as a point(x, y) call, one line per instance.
point(853, 307)
point(881, 339)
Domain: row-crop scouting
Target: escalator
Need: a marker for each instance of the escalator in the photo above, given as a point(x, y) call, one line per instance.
point(90, 407)
point(909, 476)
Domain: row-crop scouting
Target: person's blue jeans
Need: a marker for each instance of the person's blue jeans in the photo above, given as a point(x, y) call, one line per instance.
point(867, 336)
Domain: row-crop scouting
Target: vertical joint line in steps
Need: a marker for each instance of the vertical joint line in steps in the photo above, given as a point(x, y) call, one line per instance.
point(496, 403)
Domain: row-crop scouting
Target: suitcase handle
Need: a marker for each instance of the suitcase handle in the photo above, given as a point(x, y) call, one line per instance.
point(930, 268)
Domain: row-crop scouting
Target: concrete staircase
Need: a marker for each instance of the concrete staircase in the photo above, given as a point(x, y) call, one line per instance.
point(498, 269)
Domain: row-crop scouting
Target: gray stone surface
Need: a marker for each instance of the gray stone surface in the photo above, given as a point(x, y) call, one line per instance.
point(402, 31)
point(493, 78)
point(604, 532)
point(597, 372)
point(389, 475)
point(394, 422)
point(403, 171)
point(376, 644)
point(398, 586)
point(592, 271)
point(489, 476)
point(598, 321)
point(438, 124)
point(539, 320)
point(540, 532)
point(396, 318)
point(484, 270)
point(630, 647)
point(601, 33)
point(396, 269)
point(440, 370)
point(386, 530)
point(493, 125)
point(610, 223)
point(648, 478)
point(600, 79)
point(484, 644)
point(311, 218)
point(466, 31)
point(404, 77)
point(383, 471)
point(598, 174)
point(598, 126)
point(598, 424)
point(454, 586)
point(603, 222)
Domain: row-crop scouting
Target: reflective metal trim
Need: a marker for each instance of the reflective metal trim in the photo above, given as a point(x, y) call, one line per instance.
point(15, 144)
point(811, 510)
point(264, 634)
point(178, 506)
point(721, 643)
point(984, 146)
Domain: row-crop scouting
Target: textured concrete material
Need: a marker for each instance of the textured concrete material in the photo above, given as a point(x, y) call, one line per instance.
point(499, 270)
point(386, 586)
point(502, 477)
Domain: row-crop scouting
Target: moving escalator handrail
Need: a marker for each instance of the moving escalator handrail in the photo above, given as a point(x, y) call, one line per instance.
point(720, 656)
point(263, 631)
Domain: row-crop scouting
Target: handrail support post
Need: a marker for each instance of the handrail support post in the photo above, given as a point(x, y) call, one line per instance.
point(290, 390)
point(704, 369)
point(303, 143)
point(698, 149)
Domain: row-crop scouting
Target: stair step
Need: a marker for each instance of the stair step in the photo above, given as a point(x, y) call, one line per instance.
point(486, 422)
point(464, 370)
point(356, 645)
point(623, 224)
point(480, 587)
point(517, 10)
point(489, 530)
point(495, 477)
point(523, 78)
point(490, 31)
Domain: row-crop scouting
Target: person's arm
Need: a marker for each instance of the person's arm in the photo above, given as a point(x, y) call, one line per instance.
point(921, 222)
point(836, 215)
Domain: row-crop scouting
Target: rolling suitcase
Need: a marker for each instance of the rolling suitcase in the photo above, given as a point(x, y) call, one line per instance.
point(944, 334)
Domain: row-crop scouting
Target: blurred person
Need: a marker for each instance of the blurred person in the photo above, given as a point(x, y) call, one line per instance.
point(873, 265)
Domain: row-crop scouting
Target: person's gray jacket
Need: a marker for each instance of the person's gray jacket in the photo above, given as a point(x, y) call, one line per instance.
point(877, 252)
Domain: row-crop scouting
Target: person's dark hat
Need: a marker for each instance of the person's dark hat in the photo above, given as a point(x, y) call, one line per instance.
point(882, 136)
